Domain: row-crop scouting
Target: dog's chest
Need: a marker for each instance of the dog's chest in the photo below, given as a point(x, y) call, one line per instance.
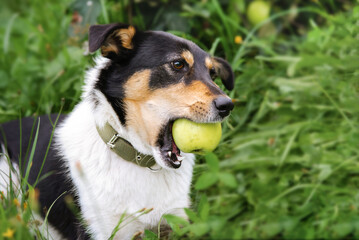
point(108, 193)
point(108, 186)
point(124, 185)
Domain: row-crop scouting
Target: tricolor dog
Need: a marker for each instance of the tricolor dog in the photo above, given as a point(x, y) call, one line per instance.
point(114, 153)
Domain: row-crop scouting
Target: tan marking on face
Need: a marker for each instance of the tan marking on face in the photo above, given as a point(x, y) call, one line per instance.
point(148, 110)
point(136, 86)
point(138, 117)
point(126, 36)
point(208, 62)
point(105, 50)
point(187, 55)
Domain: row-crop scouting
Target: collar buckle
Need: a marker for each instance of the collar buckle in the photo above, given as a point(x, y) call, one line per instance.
point(123, 148)
point(111, 142)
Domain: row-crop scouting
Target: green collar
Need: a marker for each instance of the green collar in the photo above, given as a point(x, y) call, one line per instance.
point(123, 148)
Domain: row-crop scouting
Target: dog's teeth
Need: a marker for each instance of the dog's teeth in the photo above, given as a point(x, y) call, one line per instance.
point(177, 162)
point(169, 153)
point(180, 158)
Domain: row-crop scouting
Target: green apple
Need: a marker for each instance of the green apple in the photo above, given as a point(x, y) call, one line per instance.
point(192, 137)
point(258, 11)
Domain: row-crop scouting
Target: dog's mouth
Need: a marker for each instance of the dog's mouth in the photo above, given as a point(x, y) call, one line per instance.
point(170, 153)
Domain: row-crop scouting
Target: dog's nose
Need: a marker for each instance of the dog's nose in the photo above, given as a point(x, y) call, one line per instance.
point(224, 105)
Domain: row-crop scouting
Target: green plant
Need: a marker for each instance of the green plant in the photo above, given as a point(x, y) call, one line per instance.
point(40, 63)
point(287, 164)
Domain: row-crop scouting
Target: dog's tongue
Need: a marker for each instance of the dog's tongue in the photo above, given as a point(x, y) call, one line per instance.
point(175, 152)
point(169, 149)
point(175, 149)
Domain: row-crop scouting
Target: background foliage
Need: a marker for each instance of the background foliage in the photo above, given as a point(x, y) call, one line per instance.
point(287, 166)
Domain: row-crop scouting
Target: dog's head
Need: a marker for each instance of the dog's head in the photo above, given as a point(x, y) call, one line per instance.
point(153, 78)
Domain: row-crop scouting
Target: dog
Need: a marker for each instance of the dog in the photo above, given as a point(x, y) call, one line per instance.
point(114, 154)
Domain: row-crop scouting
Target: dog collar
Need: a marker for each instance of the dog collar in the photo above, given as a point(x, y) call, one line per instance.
point(123, 148)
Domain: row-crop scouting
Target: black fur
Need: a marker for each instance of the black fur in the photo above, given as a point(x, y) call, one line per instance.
point(149, 50)
point(51, 187)
point(225, 73)
point(110, 83)
point(155, 51)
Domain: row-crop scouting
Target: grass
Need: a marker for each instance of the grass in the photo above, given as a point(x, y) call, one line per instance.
point(287, 166)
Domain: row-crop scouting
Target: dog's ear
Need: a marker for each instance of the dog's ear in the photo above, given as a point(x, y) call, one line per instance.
point(113, 39)
point(224, 71)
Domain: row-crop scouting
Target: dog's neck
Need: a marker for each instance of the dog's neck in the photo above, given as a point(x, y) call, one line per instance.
point(103, 111)
point(123, 148)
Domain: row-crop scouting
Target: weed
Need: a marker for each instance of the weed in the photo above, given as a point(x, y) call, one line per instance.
point(287, 166)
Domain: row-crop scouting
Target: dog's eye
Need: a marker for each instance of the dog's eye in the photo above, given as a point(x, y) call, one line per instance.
point(212, 73)
point(178, 64)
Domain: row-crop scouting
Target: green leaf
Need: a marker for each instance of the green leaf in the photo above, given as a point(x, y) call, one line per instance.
point(206, 180)
point(325, 171)
point(192, 215)
point(342, 230)
point(228, 179)
point(199, 229)
point(4, 79)
point(149, 235)
point(175, 219)
point(176, 223)
point(212, 161)
point(356, 11)
point(217, 224)
point(203, 208)
point(271, 229)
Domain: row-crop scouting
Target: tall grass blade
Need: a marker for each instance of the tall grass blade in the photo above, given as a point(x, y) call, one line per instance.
point(48, 147)
point(104, 11)
point(48, 212)
point(29, 164)
point(6, 43)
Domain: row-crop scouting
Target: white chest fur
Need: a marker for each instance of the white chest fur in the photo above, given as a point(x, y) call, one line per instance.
point(109, 187)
